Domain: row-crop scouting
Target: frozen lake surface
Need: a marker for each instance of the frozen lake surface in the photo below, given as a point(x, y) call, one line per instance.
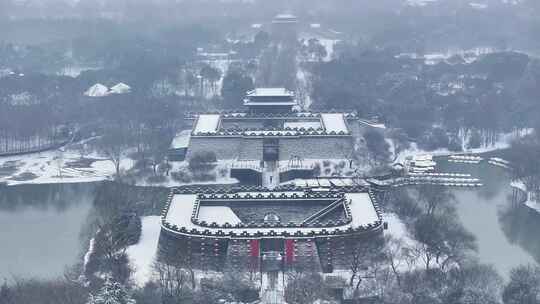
point(482, 212)
point(41, 229)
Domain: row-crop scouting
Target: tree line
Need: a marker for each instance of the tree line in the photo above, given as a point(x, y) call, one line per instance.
point(452, 104)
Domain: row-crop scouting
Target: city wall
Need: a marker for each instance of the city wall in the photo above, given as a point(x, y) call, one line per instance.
point(316, 147)
point(224, 147)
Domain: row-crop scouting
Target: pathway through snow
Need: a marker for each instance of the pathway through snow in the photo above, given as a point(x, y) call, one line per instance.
point(143, 253)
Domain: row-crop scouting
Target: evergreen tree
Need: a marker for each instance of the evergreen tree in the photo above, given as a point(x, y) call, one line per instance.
point(111, 293)
point(235, 86)
point(6, 294)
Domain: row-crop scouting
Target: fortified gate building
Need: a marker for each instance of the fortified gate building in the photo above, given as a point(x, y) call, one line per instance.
point(273, 226)
point(272, 129)
point(258, 229)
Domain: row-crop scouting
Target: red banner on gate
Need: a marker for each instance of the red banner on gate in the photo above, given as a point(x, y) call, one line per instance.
point(254, 248)
point(289, 251)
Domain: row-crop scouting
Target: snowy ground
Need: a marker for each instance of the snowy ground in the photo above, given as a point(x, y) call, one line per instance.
point(419, 2)
point(142, 254)
point(303, 88)
point(56, 167)
point(76, 70)
point(67, 167)
point(221, 171)
point(396, 228)
point(469, 55)
point(503, 142)
point(403, 245)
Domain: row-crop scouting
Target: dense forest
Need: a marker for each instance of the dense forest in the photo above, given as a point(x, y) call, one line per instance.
point(475, 101)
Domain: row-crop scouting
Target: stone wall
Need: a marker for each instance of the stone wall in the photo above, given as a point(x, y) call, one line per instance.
point(315, 147)
point(238, 256)
point(224, 147)
point(291, 174)
point(251, 148)
point(338, 253)
point(192, 252)
point(306, 255)
point(247, 176)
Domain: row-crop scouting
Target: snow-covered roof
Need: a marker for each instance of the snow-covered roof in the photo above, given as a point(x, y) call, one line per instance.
point(270, 92)
point(182, 206)
point(120, 88)
point(181, 140)
point(207, 123)
point(270, 103)
point(284, 17)
point(362, 210)
point(270, 97)
point(218, 214)
point(334, 122)
point(420, 2)
point(97, 90)
point(479, 6)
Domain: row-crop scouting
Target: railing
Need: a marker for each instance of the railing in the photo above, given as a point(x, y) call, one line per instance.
point(251, 165)
point(270, 195)
point(323, 211)
point(297, 167)
point(242, 114)
point(273, 132)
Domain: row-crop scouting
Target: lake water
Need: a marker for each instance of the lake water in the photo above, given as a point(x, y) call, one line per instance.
point(488, 213)
point(42, 228)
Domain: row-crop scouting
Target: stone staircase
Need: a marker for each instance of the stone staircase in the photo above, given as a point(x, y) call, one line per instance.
point(272, 288)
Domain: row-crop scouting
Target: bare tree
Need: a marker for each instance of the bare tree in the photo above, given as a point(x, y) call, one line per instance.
point(435, 199)
point(113, 144)
point(526, 164)
point(524, 286)
point(63, 290)
point(360, 255)
point(304, 288)
point(175, 281)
